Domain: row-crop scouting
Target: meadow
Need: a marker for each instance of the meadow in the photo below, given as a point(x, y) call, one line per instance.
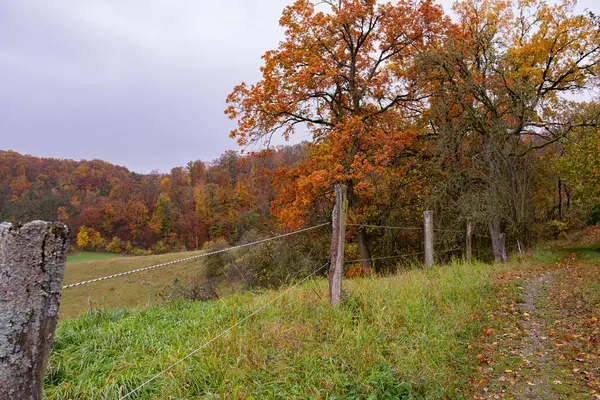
point(453, 331)
point(131, 291)
point(81, 256)
point(404, 336)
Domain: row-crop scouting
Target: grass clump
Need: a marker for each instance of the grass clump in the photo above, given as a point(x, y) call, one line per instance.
point(404, 337)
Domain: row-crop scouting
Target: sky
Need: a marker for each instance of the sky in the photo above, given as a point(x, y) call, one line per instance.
point(140, 83)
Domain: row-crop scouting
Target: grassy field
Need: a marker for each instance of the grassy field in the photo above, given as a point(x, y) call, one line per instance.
point(130, 291)
point(405, 336)
point(452, 332)
point(81, 256)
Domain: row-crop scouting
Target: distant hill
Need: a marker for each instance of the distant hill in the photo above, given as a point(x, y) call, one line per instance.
point(113, 208)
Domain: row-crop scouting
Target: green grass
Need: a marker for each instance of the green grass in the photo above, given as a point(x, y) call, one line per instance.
point(405, 336)
point(82, 256)
point(130, 291)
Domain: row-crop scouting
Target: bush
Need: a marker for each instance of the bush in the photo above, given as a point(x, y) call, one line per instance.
point(90, 239)
point(115, 245)
point(557, 229)
point(199, 290)
point(278, 262)
point(160, 248)
point(594, 215)
point(140, 252)
point(216, 264)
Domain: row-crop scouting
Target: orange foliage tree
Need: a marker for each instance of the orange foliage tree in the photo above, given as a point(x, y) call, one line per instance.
point(345, 72)
point(504, 83)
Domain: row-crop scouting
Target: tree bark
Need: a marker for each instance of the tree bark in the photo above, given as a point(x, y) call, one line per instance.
point(363, 236)
point(495, 233)
point(32, 259)
point(494, 203)
point(560, 202)
point(363, 248)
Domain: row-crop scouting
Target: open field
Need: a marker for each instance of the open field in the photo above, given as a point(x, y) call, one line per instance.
point(81, 256)
point(130, 291)
point(394, 337)
point(524, 330)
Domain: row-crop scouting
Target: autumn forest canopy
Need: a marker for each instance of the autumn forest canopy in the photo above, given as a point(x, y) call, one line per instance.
point(491, 115)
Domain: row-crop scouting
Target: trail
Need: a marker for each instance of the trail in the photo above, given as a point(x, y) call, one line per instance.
point(534, 348)
point(547, 342)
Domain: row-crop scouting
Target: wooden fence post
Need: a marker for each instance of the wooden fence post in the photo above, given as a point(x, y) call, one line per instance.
point(469, 250)
point(503, 247)
point(32, 260)
point(338, 236)
point(429, 252)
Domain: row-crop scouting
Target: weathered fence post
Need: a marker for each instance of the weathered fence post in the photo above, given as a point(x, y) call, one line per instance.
point(469, 250)
point(338, 235)
point(429, 253)
point(32, 260)
point(503, 247)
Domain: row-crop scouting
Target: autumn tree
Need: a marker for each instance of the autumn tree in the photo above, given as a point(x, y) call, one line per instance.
point(162, 220)
point(578, 166)
point(503, 81)
point(344, 71)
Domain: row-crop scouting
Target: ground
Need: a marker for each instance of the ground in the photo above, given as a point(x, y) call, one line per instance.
point(544, 339)
point(525, 330)
point(81, 256)
point(131, 291)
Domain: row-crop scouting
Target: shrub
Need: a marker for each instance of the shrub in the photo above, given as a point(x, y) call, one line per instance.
point(594, 215)
point(557, 229)
point(115, 245)
point(216, 264)
point(160, 248)
point(140, 252)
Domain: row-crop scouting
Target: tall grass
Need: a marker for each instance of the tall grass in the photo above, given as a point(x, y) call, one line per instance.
point(404, 336)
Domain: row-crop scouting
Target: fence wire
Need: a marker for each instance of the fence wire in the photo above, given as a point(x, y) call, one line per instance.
point(407, 228)
point(384, 258)
point(72, 285)
point(258, 310)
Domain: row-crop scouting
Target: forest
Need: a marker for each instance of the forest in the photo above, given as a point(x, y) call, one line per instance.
point(490, 117)
point(111, 208)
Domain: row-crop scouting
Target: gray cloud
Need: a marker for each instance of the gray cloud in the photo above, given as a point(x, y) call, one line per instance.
point(140, 83)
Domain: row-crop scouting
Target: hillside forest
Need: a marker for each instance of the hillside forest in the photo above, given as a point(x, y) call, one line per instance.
point(490, 116)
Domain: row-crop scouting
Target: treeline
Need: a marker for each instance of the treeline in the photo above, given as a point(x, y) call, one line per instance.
point(111, 208)
point(490, 117)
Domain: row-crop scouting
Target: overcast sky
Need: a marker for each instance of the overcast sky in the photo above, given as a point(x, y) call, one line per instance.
point(140, 83)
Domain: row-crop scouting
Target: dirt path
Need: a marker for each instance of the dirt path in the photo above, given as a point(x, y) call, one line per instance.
point(533, 347)
point(546, 340)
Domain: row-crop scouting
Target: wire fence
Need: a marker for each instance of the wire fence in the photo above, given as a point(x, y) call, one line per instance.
point(384, 258)
point(194, 257)
point(205, 344)
point(274, 299)
point(413, 228)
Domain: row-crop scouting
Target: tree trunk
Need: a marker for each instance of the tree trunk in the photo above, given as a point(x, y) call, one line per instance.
point(494, 203)
point(496, 240)
point(363, 247)
point(363, 237)
point(560, 203)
